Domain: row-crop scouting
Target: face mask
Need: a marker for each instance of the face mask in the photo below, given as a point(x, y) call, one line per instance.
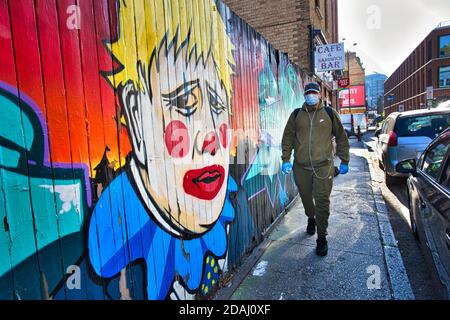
point(312, 99)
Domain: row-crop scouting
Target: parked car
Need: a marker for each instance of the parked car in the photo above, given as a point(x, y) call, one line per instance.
point(405, 136)
point(429, 205)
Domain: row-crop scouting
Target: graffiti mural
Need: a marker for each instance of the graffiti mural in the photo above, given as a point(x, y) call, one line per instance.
point(173, 214)
point(60, 195)
point(277, 99)
point(139, 147)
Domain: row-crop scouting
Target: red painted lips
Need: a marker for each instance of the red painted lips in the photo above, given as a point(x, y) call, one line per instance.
point(204, 183)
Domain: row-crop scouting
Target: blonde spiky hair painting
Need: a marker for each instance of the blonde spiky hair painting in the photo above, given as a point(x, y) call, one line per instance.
point(146, 26)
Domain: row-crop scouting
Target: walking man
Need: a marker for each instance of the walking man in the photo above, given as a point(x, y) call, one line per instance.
point(309, 133)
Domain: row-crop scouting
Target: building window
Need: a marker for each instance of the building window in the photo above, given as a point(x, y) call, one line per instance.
point(429, 78)
point(444, 46)
point(444, 77)
point(318, 4)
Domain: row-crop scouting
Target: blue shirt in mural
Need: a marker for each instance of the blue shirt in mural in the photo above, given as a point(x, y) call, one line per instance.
point(121, 231)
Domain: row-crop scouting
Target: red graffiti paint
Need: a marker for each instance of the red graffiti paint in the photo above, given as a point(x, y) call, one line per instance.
point(210, 144)
point(177, 139)
point(204, 183)
point(223, 131)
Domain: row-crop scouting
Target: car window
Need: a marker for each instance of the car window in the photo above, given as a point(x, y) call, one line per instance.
point(426, 125)
point(446, 179)
point(434, 158)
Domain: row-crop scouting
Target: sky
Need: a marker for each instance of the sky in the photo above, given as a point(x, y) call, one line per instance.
point(387, 31)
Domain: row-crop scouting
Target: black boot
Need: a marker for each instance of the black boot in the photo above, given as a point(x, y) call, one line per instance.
point(311, 228)
point(322, 246)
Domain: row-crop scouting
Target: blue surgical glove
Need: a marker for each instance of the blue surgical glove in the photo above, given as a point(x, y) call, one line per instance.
point(286, 168)
point(343, 168)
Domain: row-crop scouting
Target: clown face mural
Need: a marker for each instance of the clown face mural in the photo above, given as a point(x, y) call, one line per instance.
point(176, 99)
point(170, 205)
point(178, 124)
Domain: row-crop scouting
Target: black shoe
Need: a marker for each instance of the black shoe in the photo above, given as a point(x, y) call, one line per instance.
point(311, 228)
point(322, 246)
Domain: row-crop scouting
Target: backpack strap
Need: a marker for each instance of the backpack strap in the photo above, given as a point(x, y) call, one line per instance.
point(329, 112)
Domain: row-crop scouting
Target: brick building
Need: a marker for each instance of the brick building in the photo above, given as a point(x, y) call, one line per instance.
point(353, 101)
point(357, 71)
point(428, 66)
point(295, 27)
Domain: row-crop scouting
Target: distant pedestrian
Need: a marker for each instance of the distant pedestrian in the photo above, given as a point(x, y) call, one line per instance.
point(309, 132)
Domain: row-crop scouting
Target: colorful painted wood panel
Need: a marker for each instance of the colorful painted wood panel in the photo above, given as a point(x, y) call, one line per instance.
point(139, 146)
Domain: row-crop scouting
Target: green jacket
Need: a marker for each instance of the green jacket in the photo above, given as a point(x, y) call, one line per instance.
point(296, 137)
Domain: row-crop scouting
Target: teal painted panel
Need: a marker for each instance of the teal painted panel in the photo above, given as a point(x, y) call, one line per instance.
point(11, 116)
point(67, 218)
point(21, 230)
point(9, 158)
point(44, 205)
point(52, 220)
point(7, 284)
point(60, 202)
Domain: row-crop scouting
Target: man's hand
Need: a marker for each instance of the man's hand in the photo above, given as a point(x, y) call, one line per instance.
point(286, 168)
point(343, 168)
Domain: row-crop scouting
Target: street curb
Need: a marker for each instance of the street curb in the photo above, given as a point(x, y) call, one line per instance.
point(398, 278)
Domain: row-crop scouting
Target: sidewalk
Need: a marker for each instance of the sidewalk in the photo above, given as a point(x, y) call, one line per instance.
point(360, 240)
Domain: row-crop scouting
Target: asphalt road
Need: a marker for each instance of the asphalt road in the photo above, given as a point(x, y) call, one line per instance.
point(396, 199)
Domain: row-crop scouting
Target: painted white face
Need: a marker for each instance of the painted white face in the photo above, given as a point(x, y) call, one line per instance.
point(180, 139)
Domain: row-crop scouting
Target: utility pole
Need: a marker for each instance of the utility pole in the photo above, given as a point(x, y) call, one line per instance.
point(350, 93)
point(350, 88)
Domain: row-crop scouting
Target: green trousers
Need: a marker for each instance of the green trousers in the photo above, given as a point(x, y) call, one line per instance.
point(315, 193)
